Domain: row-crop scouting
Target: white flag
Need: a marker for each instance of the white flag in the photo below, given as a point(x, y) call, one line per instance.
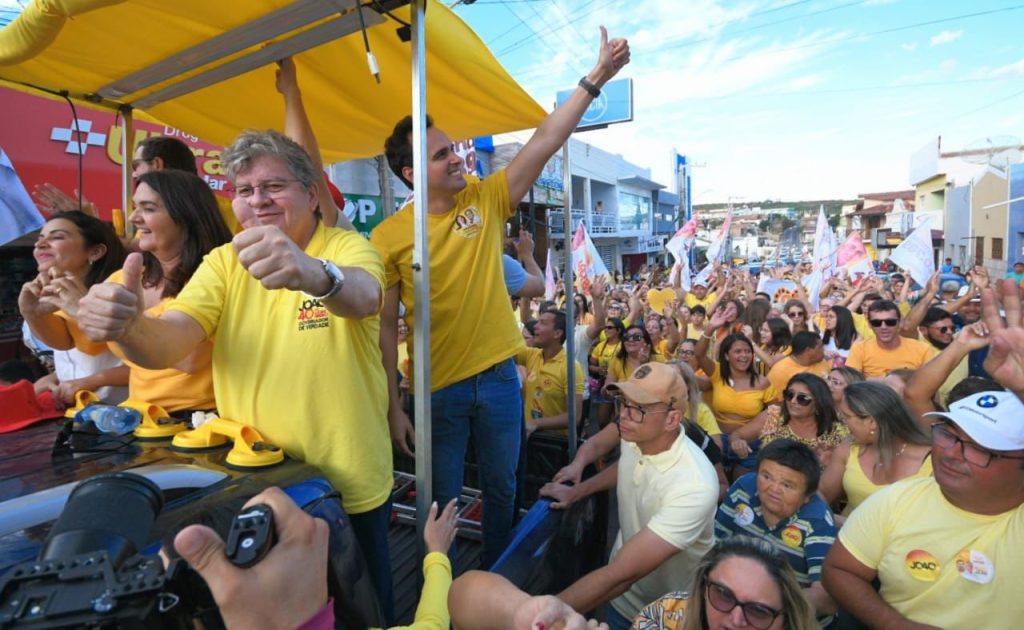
point(680, 246)
point(549, 279)
point(586, 262)
point(916, 254)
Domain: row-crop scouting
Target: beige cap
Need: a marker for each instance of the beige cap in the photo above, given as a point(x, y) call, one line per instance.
point(653, 383)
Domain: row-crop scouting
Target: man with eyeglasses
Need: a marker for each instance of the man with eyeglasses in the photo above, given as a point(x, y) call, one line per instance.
point(807, 356)
point(888, 351)
point(946, 549)
point(289, 303)
point(667, 491)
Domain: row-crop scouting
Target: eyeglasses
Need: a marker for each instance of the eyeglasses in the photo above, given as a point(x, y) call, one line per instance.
point(943, 329)
point(270, 188)
point(801, 399)
point(621, 403)
point(610, 327)
point(724, 600)
point(796, 314)
point(976, 455)
point(684, 352)
point(633, 338)
point(890, 322)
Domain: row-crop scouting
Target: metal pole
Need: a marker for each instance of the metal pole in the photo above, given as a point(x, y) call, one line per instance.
point(570, 299)
point(421, 273)
point(127, 155)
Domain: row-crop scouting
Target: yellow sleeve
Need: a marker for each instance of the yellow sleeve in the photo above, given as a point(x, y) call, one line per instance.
point(856, 358)
point(706, 420)
point(493, 192)
point(203, 297)
point(864, 533)
point(581, 382)
point(352, 250)
point(771, 394)
point(523, 356)
point(432, 611)
point(381, 239)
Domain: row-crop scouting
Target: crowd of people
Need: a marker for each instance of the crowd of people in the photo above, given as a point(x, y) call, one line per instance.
point(778, 462)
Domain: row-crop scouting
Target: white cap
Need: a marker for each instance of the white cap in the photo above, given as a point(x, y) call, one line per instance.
point(994, 420)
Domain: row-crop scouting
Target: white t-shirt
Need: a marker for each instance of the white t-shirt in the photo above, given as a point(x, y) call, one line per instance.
point(582, 346)
point(74, 364)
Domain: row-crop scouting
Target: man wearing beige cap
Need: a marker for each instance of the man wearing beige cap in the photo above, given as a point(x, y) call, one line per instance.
point(946, 549)
point(667, 493)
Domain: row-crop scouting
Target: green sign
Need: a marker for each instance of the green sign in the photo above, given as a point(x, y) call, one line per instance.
point(364, 211)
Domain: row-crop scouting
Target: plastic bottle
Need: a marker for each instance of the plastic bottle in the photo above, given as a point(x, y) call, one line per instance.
point(109, 418)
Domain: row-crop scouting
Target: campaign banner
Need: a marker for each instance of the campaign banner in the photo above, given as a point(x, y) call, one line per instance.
point(779, 290)
point(680, 246)
point(550, 287)
point(916, 254)
point(586, 262)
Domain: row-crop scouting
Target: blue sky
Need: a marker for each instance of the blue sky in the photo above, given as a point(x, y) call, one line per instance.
point(780, 99)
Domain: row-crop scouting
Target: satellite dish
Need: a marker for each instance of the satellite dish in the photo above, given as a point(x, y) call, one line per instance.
point(998, 151)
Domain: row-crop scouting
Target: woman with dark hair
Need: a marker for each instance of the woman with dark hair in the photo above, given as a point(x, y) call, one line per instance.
point(742, 582)
point(840, 334)
point(775, 339)
point(600, 358)
point(583, 308)
point(808, 416)
point(177, 223)
point(637, 348)
point(753, 318)
point(888, 445)
point(796, 310)
point(739, 396)
point(73, 252)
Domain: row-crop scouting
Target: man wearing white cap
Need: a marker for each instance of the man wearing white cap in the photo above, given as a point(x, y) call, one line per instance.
point(667, 493)
point(946, 549)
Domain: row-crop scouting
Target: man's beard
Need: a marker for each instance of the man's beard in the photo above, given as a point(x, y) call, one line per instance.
point(941, 345)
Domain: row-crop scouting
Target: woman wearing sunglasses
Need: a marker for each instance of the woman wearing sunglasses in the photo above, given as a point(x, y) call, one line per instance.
point(637, 348)
point(600, 358)
point(808, 416)
point(739, 396)
point(741, 582)
point(796, 310)
point(888, 445)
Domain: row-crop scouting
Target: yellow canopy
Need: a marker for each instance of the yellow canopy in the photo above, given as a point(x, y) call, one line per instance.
point(220, 55)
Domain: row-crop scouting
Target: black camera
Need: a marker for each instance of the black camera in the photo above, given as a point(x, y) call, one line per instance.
point(90, 572)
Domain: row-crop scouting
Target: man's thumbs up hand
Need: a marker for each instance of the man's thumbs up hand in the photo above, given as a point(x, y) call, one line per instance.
point(109, 309)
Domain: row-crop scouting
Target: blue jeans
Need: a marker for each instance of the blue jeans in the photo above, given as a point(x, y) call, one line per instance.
point(489, 406)
point(371, 530)
point(615, 619)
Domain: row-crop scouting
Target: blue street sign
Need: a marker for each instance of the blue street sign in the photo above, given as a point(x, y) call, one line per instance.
point(614, 105)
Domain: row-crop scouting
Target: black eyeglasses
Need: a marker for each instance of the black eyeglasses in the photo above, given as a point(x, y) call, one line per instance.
point(796, 314)
point(610, 327)
point(801, 399)
point(976, 455)
point(269, 188)
point(621, 403)
point(724, 600)
point(633, 338)
point(890, 322)
point(943, 329)
point(691, 352)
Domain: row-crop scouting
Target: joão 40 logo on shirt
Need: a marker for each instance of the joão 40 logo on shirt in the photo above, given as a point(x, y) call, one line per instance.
point(312, 314)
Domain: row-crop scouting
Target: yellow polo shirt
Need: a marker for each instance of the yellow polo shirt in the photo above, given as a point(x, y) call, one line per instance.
point(472, 326)
point(787, 368)
point(310, 382)
point(873, 360)
point(547, 383)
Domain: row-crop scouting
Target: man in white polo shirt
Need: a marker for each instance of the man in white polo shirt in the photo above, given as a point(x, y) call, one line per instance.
point(667, 493)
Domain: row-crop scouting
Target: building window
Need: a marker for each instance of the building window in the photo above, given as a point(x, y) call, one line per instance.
point(979, 251)
point(997, 248)
point(634, 212)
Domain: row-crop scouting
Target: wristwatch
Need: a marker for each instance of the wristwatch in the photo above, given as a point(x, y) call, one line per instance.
point(337, 279)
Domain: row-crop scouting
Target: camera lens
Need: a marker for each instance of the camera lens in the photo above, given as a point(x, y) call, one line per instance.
point(112, 511)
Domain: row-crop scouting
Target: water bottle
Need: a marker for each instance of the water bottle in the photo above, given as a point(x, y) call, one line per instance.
point(109, 418)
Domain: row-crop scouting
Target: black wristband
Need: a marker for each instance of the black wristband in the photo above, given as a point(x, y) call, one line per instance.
point(589, 87)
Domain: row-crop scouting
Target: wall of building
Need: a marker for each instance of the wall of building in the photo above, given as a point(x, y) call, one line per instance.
point(957, 231)
point(1015, 249)
point(990, 223)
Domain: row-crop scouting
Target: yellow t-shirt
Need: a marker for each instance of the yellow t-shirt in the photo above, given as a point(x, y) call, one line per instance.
point(621, 370)
point(82, 343)
point(170, 388)
point(472, 326)
point(873, 360)
point(938, 564)
point(228, 214)
point(310, 382)
point(706, 420)
point(787, 368)
point(744, 403)
point(604, 351)
point(547, 383)
point(692, 300)
point(858, 487)
point(662, 347)
point(959, 373)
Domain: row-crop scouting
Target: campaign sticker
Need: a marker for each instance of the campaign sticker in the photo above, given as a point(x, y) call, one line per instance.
point(923, 566)
point(744, 515)
point(792, 536)
point(974, 566)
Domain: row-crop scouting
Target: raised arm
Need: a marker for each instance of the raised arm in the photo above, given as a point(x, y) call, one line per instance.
point(557, 127)
point(534, 285)
point(298, 128)
point(1005, 361)
point(597, 294)
point(925, 382)
point(908, 327)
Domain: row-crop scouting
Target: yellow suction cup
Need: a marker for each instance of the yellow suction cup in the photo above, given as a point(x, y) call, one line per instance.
point(249, 450)
point(83, 398)
point(157, 423)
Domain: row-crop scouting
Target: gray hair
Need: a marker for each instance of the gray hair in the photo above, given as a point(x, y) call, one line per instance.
point(894, 419)
point(692, 389)
point(251, 145)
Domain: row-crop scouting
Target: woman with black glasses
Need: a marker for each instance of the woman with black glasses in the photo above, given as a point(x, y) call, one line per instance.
point(808, 416)
point(840, 335)
point(600, 357)
point(888, 445)
point(637, 348)
point(741, 582)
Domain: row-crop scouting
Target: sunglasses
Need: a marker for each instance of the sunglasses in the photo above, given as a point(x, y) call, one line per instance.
point(758, 615)
point(796, 314)
point(634, 338)
point(890, 322)
point(610, 327)
point(801, 399)
point(943, 329)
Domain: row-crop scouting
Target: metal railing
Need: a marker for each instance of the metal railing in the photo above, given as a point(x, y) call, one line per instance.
point(596, 223)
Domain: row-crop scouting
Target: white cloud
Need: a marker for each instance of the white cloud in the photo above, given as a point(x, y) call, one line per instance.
point(1015, 69)
point(946, 37)
point(909, 46)
point(948, 65)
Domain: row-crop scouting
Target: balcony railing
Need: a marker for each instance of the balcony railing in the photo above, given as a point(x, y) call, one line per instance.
point(596, 224)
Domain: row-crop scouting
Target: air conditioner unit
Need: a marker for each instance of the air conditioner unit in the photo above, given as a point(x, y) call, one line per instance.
point(879, 236)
